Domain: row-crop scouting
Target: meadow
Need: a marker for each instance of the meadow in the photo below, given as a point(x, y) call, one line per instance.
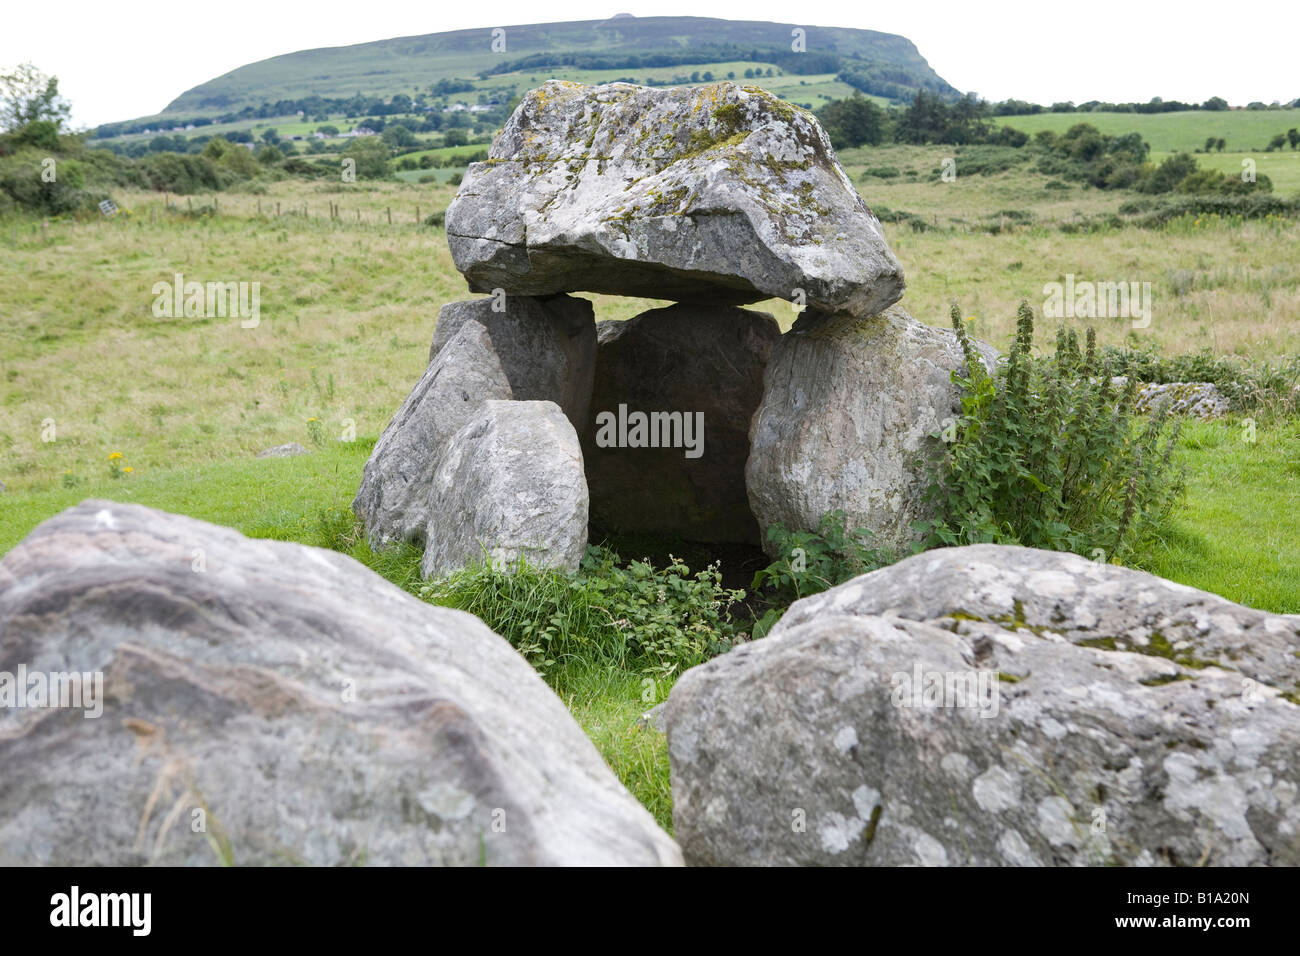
point(348, 307)
point(1182, 131)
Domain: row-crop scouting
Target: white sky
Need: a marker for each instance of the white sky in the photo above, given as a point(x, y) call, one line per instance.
point(119, 59)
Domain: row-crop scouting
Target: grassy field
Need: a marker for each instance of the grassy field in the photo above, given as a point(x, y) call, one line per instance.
point(348, 306)
point(1242, 130)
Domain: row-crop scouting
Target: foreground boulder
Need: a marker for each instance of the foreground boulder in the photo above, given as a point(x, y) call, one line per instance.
point(267, 703)
point(547, 347)
point(696, 372)
point(993, 705)
point(393, 500)
point(722, 194)
point(508, 485)
point(848, 410)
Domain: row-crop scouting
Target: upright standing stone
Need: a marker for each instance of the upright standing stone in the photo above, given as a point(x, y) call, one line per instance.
point(845, 423)
point(547, 347)
point(393, 500)
point(508, 485)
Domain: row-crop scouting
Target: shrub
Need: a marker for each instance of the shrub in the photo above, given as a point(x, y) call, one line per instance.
point(988, 160)
point(1048, 454)
point(659, 621)
point(1248, 384)
point(812, 562)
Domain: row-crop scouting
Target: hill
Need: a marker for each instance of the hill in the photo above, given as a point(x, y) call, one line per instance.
point(878, 63)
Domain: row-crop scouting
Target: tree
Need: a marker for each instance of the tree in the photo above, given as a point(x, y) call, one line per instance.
point(853, 121)
point(1276, 143)
point(455, 137)
point(27, 96)
point(1219, 144)
point(1215, 103)
point(370, 155)
point(1209, 144)
point(1293, 137)
point(269, 155)
point(271, 137)
point(398, 135)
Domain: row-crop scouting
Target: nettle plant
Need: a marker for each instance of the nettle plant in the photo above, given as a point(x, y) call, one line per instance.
point(1049, 454)
point(814, 561)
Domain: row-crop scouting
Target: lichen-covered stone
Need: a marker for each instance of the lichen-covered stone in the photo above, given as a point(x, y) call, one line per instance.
point(849, 407)
point(686, 360)
point(270, 704)
point(508, 485)
point(721, 194)
point(1128, 720)
point(1201, 400)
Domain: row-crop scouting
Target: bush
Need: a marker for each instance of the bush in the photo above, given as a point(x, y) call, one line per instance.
point(812, 562)
point(1258, 205)
point(659, 621)
point(1248, 384)
point(1048, 454)
point(172, 172)
point(988, 160)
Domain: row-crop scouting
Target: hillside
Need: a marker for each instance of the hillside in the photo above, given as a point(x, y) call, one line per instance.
point(409, 64)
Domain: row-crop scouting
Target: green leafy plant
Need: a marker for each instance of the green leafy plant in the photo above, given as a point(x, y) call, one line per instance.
point(812, 562)
point(1049, 454)
point(656, 621)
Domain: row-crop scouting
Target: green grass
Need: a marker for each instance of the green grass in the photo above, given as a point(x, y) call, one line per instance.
point(1239, 533)
point(1282, 167)
point(609, 704)
point(1243, 130)
point(282, 498)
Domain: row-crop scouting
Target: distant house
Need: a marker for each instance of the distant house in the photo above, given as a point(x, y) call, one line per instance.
point(359, 131)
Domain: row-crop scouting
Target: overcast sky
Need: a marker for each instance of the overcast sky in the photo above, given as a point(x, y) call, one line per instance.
point(119, 59)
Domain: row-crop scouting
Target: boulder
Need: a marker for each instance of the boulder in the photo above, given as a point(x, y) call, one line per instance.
point(1201, 400)
point(848, 410)
point(547, 347)
point(704, 365)
point(266, 703)
point(291, 450)
point(508, 485)
point(393, 500)
point(720, 194)
point(993, 705)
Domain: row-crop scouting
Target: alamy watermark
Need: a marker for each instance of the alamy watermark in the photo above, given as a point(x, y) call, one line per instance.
point(41, 689)
point(1084, 299)
point(211, 300)
point(626, 429)
point(972, 689)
